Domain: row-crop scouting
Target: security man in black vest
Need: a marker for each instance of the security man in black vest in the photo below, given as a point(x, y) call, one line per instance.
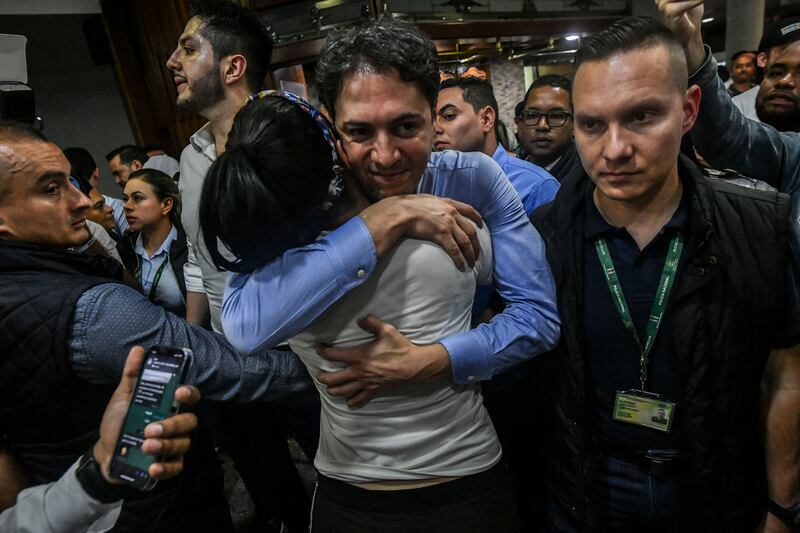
point(673, 295)
point(48, 416)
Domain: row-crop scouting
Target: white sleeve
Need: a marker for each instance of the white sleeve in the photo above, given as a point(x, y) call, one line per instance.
point(105, 240)
point(62, 506)
point(192, 272)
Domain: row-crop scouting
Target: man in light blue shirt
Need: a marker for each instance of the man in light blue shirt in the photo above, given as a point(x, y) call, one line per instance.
point(466, 120)
point(384, 112)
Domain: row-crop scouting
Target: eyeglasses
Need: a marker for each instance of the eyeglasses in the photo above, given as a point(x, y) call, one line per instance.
point(554, 119)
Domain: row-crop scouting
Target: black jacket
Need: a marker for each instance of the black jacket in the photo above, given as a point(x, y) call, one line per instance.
point(726, 309)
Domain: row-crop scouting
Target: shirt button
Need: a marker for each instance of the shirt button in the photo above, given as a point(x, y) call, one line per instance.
point(701, 271)
point(470, 378)
point(712, 260)
point(361, 273)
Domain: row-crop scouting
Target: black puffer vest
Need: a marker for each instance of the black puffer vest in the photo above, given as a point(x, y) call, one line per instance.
point(44, 408)
point(727, 306)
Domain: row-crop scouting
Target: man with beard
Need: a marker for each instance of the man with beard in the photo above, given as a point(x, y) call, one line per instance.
point(722, 135)
point(778, 100)
point(547, 132)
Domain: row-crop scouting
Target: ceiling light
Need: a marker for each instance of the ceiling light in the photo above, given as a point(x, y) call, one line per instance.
point(707, 20)
point(572, 37)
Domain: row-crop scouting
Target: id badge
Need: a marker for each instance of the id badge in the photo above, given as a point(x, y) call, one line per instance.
point(643, 409)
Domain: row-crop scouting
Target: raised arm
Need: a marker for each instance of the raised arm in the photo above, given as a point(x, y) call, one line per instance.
point(722, 134)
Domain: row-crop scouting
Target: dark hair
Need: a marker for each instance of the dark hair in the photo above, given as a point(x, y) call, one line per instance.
point(549, 80)
point(743, 52)
point(478, 93)
point(265, 194)
point(83, 185)
point(163, 187)
point(519, 108)
point(11, 130)
point(626, 35)
point(82, 164)
point(128, 153)
point(232, 29)
point(384, 45)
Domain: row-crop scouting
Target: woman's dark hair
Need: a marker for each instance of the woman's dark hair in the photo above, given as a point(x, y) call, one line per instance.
point(164, 187)
point(265, 194)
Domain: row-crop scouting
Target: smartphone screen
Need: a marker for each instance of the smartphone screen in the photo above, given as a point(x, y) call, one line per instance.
point(153, 400)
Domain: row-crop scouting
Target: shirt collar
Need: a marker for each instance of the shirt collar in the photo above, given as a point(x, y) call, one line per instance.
point(595, 225)
point(499, 154)
point(203, 141)
point(163, 249)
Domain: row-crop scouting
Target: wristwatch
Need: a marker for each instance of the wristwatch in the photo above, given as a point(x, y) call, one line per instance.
point(95, 484)
point(788, 515)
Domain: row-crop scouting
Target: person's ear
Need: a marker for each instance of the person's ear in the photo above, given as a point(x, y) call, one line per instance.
point(691, 107)
point(488, 118)
point(166, 206)
point(234, 68)
point(136, 165)
point(761, 60)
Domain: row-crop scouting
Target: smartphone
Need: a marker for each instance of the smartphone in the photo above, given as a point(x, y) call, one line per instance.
point(153, 400)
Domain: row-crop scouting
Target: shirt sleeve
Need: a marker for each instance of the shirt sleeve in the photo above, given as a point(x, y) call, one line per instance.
point(56, 507)
point(102, 334)
point(281, 299)
point(529, 325)
point(192, 273)
point(728, 140)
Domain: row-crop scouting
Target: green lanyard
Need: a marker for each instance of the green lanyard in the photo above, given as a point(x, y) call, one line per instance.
point(659, 304)
point(156, 278)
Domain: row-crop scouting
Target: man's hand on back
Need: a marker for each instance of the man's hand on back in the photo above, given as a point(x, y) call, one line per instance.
point(387, 360)
point(422, 216)
point(684, 18)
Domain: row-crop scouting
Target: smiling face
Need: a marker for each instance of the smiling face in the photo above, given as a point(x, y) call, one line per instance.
point(386, 126)
point(142, 205)
point(458, 125)
point(543, 143)
point(38, 204)
point(778, 100)
point(630, 115)
point(195, 71)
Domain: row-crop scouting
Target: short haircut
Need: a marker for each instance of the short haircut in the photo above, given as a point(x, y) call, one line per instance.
point(735, 56)
point(383, 45)
point(631, 34)
point(82, 164)
point(233, 29)
point(14, 132)
point(549, 80)
point(128, 153)
point(477, 92)
point(11, 130)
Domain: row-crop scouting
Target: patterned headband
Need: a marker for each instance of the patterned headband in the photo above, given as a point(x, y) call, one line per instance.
point(337, 184)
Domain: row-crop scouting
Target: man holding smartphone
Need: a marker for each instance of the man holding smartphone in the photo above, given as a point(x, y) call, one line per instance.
point(86, 495)
point(65, 328)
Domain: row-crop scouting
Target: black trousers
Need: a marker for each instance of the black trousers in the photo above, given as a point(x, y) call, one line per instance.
point(479, 503)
